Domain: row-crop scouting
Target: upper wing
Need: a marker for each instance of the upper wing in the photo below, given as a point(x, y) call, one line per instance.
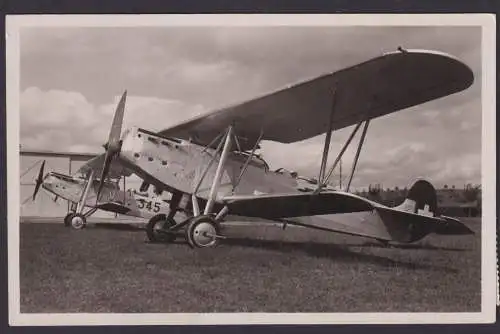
point(115, 171)
point(380, 86)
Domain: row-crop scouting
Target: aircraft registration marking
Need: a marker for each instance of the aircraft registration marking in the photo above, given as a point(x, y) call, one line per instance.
point(425, 211)
point(148, 205)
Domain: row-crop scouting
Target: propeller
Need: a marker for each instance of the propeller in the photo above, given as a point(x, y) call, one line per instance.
point(144, 186)
point(39, 180)
point(113, 146)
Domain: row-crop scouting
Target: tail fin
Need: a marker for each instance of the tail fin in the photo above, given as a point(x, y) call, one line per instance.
point(421, 199)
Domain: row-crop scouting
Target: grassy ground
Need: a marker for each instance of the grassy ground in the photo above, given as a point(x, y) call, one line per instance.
point(259, 269)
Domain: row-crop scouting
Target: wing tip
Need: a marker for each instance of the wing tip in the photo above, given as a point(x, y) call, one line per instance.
point(466, 72)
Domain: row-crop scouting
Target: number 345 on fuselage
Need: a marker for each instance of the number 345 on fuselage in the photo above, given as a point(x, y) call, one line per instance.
point(127, 202)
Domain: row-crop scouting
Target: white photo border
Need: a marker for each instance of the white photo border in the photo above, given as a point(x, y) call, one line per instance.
point(488, 164)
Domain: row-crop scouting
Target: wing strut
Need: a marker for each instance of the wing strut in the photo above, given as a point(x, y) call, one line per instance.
point(247, 161)
point(226, 140)
point(124, 190)
point(356, 158)
point(324, 158)
point(83, 198)
point(90, 212)
point(342, 151)
point(219, 146)
point(218, 172)
point(322, 183)
point(213, 142)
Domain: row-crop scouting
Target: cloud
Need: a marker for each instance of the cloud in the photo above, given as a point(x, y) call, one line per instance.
point(55, 108)
point(66, 121)
point(398, 148)
point(153, 61)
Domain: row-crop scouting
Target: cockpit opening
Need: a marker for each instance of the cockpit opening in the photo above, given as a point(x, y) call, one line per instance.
point(255, 160)
point(285, 171)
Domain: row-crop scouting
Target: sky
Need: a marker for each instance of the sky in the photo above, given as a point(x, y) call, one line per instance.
point(72, 78)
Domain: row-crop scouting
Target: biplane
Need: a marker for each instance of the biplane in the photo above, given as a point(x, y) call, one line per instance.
point(211, 167)
point(131, 202)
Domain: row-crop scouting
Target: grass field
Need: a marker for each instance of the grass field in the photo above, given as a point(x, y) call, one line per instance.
point(258, 269)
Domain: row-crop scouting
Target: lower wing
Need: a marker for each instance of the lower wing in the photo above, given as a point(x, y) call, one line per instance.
point(344, 213)
point(118, 208)
point(278, 206)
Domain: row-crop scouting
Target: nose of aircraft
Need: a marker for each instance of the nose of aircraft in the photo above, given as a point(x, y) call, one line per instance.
point(48, 180)
point(131, 145)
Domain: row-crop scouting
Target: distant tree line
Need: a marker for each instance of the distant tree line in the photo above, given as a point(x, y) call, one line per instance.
point(465, 201)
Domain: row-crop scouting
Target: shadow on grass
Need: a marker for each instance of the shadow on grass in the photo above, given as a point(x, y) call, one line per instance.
point(408, 246)
point(331, 251)
point(118, 226)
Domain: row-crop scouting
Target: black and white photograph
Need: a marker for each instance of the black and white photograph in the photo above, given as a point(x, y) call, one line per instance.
point(226, 169)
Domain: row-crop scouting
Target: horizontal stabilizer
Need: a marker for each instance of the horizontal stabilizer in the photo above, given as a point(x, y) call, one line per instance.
point(416, 217)
point(452, 226)
point(276, 206)
point(409, 217)
point(410, 227)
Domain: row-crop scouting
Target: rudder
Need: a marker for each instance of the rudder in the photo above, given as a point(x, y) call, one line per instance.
point(421, 199)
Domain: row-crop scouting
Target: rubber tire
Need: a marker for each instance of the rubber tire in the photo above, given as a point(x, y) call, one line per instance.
point(78, 227)
point(195, 221)
point(152, 236)
point(67, 219)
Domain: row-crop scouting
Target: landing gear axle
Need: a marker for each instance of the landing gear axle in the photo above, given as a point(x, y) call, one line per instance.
point(203, 231)
point(78, 221)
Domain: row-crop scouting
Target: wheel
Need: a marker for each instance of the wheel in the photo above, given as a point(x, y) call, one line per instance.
point(156, 229)
point(78, 221)
point(202, 231)
point(67, 219)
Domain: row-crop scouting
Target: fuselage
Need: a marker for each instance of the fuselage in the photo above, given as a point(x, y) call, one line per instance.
point(71, 188)
point(179, 165)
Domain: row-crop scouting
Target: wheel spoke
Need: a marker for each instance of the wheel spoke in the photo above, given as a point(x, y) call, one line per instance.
point(202, 231)
point(78, 221)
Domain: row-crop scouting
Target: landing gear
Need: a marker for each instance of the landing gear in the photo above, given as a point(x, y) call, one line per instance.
point(67, 219)
point(78, 221)
point(158, 227)
point(203, 231)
